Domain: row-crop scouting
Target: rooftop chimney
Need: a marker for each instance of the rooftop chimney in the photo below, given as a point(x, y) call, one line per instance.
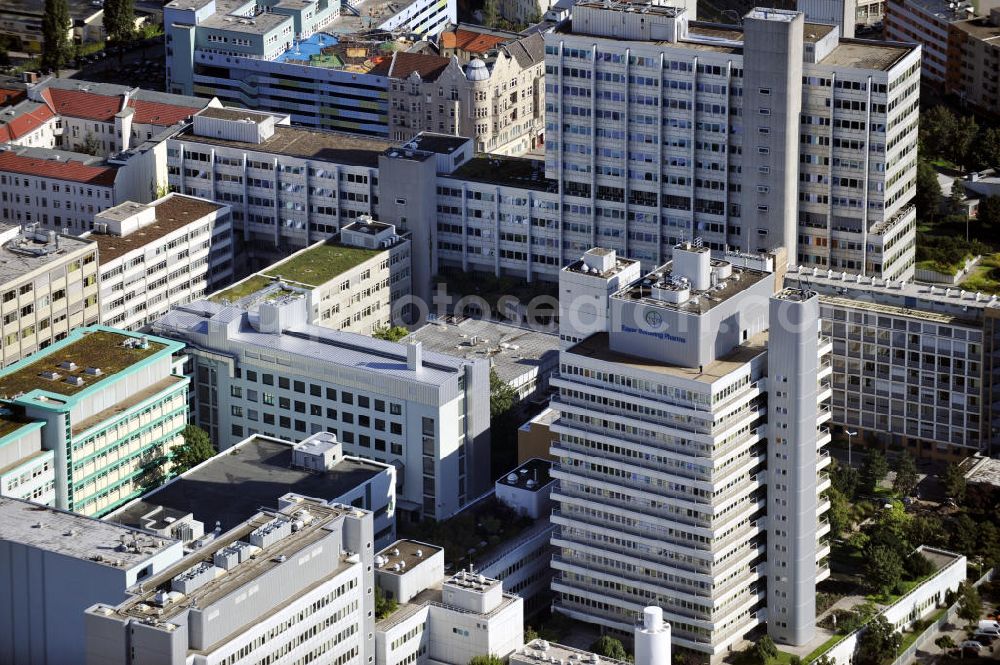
point(414, 356)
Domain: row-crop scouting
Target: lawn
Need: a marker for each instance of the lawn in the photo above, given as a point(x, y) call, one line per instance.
point(242, 289)
point(823, 648)
point(985, 277)
point(320, 264)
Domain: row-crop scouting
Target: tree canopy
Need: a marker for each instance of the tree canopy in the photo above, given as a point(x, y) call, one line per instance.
point(390, 333)
point(872, 471)
point(56, 46)
point(119, 19)
point(906, 474)
point(609, 647)
point(197, 448)
point(877, 643)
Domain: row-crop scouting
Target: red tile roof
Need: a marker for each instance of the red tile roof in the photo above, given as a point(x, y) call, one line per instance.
point(48, 168)
point(470, 41)
point(157, 113)
point(82, 104)
point(428, 66)
point(25, 123)
point(11, 96)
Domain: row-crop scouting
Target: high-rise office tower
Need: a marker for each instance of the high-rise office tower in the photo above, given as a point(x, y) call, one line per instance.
point(690, 454)
point(776, 133)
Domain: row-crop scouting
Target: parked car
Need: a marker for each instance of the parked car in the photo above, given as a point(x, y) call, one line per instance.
point(971, 645)
point(989, 624)
point(986, 639)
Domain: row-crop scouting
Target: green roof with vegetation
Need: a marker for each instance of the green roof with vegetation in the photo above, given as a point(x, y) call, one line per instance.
point(320, 263)
point(100, 349)
point(9, 423)
point(250, 285)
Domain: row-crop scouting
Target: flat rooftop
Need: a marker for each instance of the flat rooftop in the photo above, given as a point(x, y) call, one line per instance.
point(78, 9)
point(321, 263)
point(532, 476)
point(257, 25)
point(9, 423)
point(322, 347)
point(860, 54)
point(699, 302)
point(172, 213)
point(620, 264)
point(26, 253)
point(232, 486)
point(444, 144)
point(980, 28)
point(99, 348)
point(985, 471)
point(405, 553)
point(350, 54)
point(510, 171)
point(76, 536)
point(334, 147)
point(144, 606)
point(909, 299)
point(224, 113)
point(513, 351)
point(537, 648)
point(596, 347)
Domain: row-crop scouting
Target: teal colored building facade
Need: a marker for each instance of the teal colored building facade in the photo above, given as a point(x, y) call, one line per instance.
point(112, 405)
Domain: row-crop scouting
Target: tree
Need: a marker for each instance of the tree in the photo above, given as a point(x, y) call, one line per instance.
point(936, 128)
point(989, 538)
point(963, 136)
point(119, 20)
point(872, 471)
point(906, 474)
point(926, 530)
point(956, 200)
point(945, 642)
point(90, 146)
point(877, 643)
point(383, 606)
point(491, 13)
point(502, 396)
point(953, 481)
point(764, 650)
point(918, 566)
point(963, 535)
point(928, 198)
point(56, 23)
point(609, 647)
point(883, 570)
point(986, 151)
point(839, 513)
point(970, 605)
point(197, 448)
point(530, 634)
point(390, 333)
point(844, 479)
point(486, 660)
point(989, 211)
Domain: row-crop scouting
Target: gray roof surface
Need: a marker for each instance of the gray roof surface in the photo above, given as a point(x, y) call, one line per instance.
point(535, 348)
point(234, 485)
point(528, 51)
point(75, 536)
point(15, 264)
point(312, 343)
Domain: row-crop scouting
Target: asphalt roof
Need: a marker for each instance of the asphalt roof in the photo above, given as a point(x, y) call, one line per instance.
point(172, 213)
point(232, 486)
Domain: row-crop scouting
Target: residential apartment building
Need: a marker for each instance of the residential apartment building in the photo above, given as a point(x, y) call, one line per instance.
point(64, 190)
point(110, 402)
point(290, 586)
point(261, 471)
point(318, 62)
point(929, 23)
point(690, 454)
point(350, 280)
point(22, 24)
point(493, 96)
point(168, 252)
point(778, 133)
point(49, 288)
point(913, 364)
point(267, 370)
point(58, 564)
point(439, 619)
point(101, 119)
point(976, 80)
